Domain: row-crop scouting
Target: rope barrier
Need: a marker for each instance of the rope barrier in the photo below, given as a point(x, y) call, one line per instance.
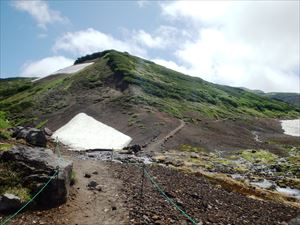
point(170, 201)
point(32, 199)
point(145, 172)
point(160, 190)
point(24, 206)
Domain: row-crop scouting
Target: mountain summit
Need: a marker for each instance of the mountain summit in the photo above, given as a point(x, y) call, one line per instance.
point(133, 95)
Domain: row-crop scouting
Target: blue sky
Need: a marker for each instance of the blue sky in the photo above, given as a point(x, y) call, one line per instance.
point(251, 44)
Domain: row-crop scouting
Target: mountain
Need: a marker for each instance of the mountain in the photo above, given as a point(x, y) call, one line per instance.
point(290, 98)
point(132, 94)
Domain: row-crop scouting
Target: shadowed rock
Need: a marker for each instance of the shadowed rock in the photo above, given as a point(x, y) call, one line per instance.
point(9, 202)
point(32, 136)
point(37, 166)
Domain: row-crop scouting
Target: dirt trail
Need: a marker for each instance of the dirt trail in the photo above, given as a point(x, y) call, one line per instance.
point(85, 207)
point(156, 144)
point(96, 207)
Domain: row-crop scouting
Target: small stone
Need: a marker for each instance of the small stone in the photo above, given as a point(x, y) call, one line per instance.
point(87, 175)
point(95, 172)
point(113, 208)
point(146, 218)
point(92, 184)
point(194, 155)
point(155, 217)
point(106, 210)
point(98, 188)
point(171, 220)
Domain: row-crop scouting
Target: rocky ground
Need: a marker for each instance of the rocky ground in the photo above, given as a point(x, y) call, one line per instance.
point(119, 200)
point(113, 192)
point(205, 201)
point(102, 203)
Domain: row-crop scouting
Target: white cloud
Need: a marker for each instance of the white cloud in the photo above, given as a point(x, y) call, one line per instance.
point(252, 44)
point(40, 11)
point(172, 65)
point(204, 11)
point(45, 66)
point(161, 38)
point(148, 40)
point(90, 40)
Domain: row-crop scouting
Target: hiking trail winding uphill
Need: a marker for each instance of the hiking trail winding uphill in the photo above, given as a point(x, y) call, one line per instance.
point(156, 144)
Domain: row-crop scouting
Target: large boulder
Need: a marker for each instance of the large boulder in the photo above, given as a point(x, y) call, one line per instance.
point(37, 166)
point(31, 135)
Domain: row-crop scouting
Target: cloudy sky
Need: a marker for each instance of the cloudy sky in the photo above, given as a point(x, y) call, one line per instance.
point(253, 44)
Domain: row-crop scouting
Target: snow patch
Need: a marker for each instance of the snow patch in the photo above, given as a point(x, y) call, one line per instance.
point(289, 191)
point(291, 127)
point(83, 132)
point(73, 69)
point(263, 184)
point(67, 70)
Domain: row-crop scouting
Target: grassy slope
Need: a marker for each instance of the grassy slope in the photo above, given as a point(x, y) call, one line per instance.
point(291, 98)
point(178, 94)
point(142, 82)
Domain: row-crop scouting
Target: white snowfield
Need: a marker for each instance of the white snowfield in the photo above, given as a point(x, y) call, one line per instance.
point(291, 127)
point(68, 70)
point(73, 68)
point(83, 132)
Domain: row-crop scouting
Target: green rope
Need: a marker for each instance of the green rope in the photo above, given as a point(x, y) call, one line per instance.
point(24, 206)
point(170, 201)
point(45, 185)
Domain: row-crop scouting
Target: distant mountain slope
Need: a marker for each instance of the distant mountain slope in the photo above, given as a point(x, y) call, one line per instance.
point(125, 80)
point(11, 86)
point(290, 98)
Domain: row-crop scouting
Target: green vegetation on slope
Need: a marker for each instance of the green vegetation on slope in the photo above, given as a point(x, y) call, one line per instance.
point(291, 98)
point(12, 86)
point(142, 83)
point(4, 123)
point(178, 94)
point(46, 96)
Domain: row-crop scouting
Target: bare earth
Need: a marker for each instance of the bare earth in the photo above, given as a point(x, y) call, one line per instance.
point(120, 200)
point(86, 207)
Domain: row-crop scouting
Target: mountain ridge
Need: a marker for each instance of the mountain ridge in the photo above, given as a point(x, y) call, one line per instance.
point(142, 82)
point(291, 98)
point(146, 101)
